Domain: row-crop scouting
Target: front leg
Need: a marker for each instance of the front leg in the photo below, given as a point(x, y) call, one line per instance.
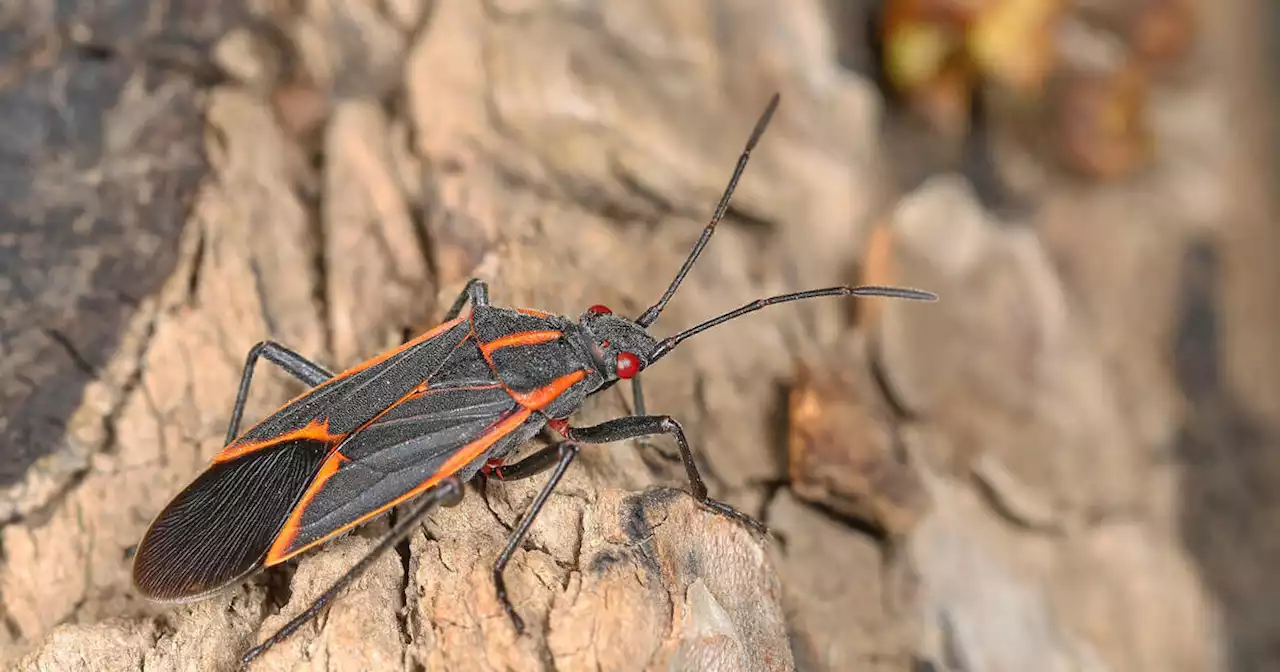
point(638, 426)
point(535, 464)
point(638, 408)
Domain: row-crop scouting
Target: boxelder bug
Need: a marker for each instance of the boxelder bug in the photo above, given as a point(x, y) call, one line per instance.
point(422, 418)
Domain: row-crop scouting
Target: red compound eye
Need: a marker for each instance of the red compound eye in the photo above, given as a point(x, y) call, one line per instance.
point(600, 310)
point(627, 365)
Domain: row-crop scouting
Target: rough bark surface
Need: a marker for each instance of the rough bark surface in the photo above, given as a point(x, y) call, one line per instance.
point(1033, 474)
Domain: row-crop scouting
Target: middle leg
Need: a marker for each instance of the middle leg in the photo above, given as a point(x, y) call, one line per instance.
point(540, 461)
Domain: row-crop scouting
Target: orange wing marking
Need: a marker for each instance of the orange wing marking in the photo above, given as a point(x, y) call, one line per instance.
point(327, 471)
point(522, 338)
point(279, 550)
point(316, 430)
point(425, 336)
point(233, 450)
point(537, 398)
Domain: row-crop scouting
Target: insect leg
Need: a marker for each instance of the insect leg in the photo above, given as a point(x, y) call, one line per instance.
point(532, 465)
point(637, 397)
point(447, 493)
point(294, 364)
point(567, 450)
point(476, 290)
point(637, 408)
point(638, 426)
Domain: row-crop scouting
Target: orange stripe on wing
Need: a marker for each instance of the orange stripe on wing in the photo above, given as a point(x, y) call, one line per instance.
point(290, 531)
point(538, 397)
point(316, 430)
point(535, 313)
point(517, 339)
point(280, 549)
point(236, 449)
point(425, 336)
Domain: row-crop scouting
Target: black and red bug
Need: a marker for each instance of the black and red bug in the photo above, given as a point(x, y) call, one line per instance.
point(414, 424)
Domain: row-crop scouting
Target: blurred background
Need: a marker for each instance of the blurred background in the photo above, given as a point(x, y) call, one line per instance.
point(1070, 462)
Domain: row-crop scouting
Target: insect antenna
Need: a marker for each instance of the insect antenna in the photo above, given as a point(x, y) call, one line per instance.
point(667, 344)
point(650, 315)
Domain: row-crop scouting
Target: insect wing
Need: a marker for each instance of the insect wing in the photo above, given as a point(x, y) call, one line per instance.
point(217, 529)
point(341, 405)
point(430, 434)
point(222, 526)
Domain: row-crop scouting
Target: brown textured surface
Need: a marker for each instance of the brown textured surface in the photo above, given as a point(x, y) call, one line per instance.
point(100, 155)
point(843, 452)
point(1088, 413)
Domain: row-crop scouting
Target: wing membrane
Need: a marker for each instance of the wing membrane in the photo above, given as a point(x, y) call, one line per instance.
point(223, 526)
point(218, 529)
